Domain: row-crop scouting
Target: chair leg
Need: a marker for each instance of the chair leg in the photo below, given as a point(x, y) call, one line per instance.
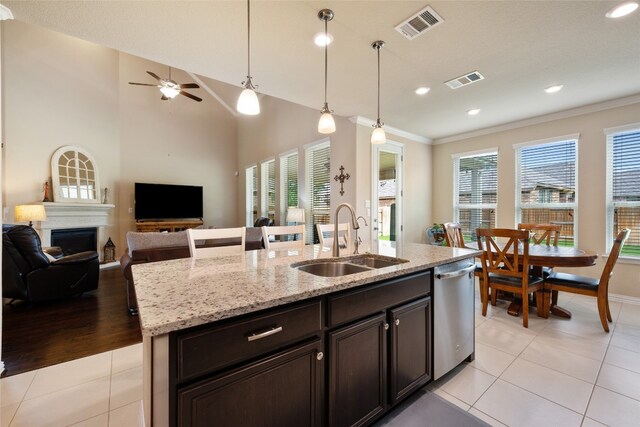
point(484, 297)
point(540, 304)
point(554, 297)
point(525, 310)
point(602, 310)
point(494, 297)
point(609, 318)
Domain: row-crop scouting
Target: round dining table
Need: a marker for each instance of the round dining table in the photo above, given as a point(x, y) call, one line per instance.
point(551, 256)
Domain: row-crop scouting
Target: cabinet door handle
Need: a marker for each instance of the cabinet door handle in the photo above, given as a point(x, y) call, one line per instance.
point(386, 326)
point(397, 322)
point(264, 334)
point(319, 356)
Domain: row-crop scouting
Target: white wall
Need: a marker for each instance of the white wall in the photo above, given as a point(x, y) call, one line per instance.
point(591, 181)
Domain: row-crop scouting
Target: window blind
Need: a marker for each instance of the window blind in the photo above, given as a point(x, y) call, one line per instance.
point(289, 178)
point(318, 189)
point(475, 198)
point(547, 186)
point(624, 189)
point(269, 189)
point(251, 195)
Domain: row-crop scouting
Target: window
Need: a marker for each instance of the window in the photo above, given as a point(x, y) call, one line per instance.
point(268, 182)
point(475, 192)
point(75, 176)
point(318, 189)
point(251, 192)
point(288, 181)
point(546, 176)
point(623, 187)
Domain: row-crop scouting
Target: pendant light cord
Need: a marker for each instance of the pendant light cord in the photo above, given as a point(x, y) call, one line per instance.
point(326, 45)
point(378, 49)
point(248, 38)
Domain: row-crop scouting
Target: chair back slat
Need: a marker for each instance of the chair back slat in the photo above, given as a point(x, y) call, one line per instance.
point(194, 234)
point(603, 286)
point(283, 231)
point(344, 235)
point(543, 233)
point(453, 234)
point(510, 258)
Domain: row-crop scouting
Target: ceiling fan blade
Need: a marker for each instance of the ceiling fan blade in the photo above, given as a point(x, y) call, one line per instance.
point(164, 98)
point(188, 95)
point(142, 84)
point(189, 86)
point(154, 75)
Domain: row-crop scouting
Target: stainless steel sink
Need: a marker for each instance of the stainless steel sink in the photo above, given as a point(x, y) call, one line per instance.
point(332, 269)
point(348, 265)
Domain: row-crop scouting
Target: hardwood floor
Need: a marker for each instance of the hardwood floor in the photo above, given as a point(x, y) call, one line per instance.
point(55, 332)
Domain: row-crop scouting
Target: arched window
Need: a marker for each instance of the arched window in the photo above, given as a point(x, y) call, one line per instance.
point(75, 176)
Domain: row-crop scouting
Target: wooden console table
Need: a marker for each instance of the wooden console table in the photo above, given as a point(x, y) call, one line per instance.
point(171, 226)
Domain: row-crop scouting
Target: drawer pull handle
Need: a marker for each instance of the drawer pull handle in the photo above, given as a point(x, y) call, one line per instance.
point(397, 322)
point(264, 334)
point(386, 326)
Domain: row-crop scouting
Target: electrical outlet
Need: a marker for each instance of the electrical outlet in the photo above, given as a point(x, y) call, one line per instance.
point(130, 210)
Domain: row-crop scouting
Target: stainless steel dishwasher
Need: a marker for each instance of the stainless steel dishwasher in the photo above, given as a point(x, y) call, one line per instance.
point(453, 315)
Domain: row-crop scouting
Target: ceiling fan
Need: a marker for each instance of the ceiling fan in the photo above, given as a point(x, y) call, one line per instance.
point(169, 88)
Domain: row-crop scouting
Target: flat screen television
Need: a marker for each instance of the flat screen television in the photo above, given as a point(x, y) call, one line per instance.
point(166, 201)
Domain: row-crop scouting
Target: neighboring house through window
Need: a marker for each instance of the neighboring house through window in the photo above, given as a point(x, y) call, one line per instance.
point(475, 191)
point(546, 184)
point(318, 188)
point(623, 186)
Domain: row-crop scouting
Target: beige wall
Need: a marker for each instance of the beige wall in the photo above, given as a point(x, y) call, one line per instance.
point(59, 90)
point(591, 180)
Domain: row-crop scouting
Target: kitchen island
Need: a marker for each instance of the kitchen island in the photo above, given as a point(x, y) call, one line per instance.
point(246, 336)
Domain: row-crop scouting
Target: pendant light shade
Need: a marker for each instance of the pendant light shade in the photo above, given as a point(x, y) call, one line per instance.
point(248, 101)
point(378, 136)
point(326, 124)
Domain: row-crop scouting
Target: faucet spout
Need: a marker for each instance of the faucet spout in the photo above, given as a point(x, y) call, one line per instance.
point(354, 223)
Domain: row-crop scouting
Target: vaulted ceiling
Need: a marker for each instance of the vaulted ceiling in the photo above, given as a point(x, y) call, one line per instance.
point(520, 47)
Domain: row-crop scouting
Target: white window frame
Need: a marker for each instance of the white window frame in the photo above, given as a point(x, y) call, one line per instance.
point(308, 149)
point(249, 170)
point(73, 184)
point(264, 190)
point(611, 205)
point(519, 205)
point(456, 171)
point(283, 182)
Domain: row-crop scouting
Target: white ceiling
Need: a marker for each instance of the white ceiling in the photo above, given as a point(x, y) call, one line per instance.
point(520, 47)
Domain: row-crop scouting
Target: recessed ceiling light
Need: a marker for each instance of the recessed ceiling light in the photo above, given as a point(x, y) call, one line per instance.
point(320, 40)
point(622, 9)
point(473, 112)
point(422, 90)
point(554, 89)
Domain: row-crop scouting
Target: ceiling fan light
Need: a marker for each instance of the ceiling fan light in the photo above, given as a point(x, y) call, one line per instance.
point(326, 124)
point(169, 92)
point(622, 9)
point(248, 103)
point(378, 136)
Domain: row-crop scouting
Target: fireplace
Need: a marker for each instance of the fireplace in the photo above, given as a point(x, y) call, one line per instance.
point(74, 240)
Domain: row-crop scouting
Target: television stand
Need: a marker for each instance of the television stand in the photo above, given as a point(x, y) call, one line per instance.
point(171, 226)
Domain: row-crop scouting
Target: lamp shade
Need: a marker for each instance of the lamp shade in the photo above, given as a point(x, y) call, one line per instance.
point(295, 215)
point(28, 213)
point(378, 136)
point(248, 103)
point(326, 123)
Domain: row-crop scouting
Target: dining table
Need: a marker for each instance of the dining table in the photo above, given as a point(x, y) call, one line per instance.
point(540, 256)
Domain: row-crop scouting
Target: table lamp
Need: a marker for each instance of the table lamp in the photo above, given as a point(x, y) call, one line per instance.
point(24, 213)
point(295, 215)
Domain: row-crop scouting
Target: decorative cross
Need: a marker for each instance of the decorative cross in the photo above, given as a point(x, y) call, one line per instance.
point(342, 177)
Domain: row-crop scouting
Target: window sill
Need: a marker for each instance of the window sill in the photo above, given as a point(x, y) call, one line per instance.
point(625, 259)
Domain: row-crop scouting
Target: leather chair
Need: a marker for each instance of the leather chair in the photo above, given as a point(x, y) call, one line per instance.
point(263, 221)
point(27, 273)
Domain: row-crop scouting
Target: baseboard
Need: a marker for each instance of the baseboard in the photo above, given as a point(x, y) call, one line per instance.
point(108, 265)
point(624, 298)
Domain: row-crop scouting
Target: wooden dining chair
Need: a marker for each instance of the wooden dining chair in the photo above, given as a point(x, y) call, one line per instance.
point(236, 246)
point(344, 232)
point(282, 243)
point(455, 239)
point(542, 234)
point(589, 286)
point(505, 266)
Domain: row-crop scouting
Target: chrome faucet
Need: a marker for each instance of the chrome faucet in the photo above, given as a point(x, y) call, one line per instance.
point(354, 223)
point(358, 240)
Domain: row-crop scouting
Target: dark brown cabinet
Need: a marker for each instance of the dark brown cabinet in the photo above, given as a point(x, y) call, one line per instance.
point(283, 390)
point(410, 358)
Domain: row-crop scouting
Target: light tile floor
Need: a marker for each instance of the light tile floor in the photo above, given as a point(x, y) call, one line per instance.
point(555, 373)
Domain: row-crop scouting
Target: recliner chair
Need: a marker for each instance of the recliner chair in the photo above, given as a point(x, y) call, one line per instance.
point(27, 273)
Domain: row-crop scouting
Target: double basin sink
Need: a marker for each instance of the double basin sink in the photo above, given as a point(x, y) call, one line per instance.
point(333, 267)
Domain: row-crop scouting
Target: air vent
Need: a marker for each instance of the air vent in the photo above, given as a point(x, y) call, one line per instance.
point(467, 79)
point(419, 23)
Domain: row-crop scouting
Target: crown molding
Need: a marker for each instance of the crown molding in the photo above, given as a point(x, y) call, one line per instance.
point(364, 121)
point(592, 108)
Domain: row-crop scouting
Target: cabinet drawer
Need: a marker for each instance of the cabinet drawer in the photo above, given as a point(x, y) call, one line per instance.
point(207, 350)
point(353, 305)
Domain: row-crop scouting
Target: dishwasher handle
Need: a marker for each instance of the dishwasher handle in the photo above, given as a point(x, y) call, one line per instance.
point(457, 273)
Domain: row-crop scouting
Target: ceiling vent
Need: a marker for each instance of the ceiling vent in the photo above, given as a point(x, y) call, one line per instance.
point(419, 23)
point(467, 79)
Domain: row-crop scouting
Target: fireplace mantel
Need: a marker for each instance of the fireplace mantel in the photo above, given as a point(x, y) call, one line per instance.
point(73, 215)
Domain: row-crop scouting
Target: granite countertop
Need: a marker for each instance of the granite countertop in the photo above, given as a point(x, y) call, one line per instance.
point(182, 293)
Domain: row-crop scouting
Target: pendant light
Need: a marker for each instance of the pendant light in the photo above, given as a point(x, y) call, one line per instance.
point(326, 124)
point(248, 101)
point(378, 136)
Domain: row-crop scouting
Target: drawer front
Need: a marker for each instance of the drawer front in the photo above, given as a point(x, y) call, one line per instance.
point(207, 350)
point(357, 304)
